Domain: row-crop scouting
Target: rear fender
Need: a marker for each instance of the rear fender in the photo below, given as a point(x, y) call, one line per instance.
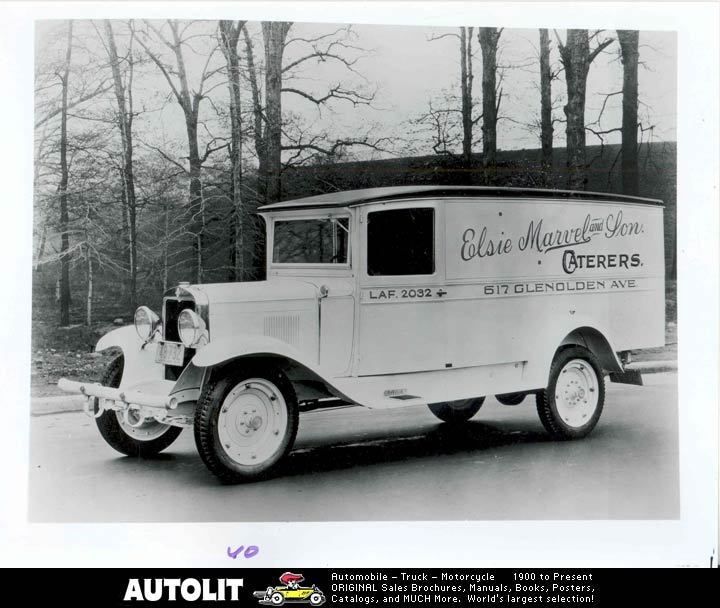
point(598, 344)
point(139, 363)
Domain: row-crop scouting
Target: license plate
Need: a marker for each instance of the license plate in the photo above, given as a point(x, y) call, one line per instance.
point(170, 353)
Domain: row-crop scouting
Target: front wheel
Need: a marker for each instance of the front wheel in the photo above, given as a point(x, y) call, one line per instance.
point(245, 423)
point(132, 437)
point(570, 407)
point(316, 599)
point(456, 411)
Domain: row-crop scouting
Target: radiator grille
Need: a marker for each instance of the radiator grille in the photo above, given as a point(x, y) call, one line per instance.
point(173, 308)
point(283, 327)
point(172, 311)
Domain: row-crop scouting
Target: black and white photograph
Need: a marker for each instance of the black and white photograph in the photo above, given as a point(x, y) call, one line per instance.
point(353, 256)
point(292, 270)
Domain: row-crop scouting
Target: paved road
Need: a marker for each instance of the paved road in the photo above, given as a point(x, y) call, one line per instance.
point(358, 464)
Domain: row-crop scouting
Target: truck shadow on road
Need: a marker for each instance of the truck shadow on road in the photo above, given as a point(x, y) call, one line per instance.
point(474, 438)
point(442, 440)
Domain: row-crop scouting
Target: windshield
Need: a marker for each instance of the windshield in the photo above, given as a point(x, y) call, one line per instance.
point(311, 241)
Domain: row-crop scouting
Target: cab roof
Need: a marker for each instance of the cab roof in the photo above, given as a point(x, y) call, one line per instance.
point(350, 198)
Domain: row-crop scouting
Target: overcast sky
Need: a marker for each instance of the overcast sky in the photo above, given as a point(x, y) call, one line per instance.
point(408, 70)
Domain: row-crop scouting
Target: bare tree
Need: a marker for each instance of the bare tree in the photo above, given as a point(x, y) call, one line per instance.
point(272, 131)
point(239, 237)
point(466, 84)
point(576, 58)
point(189, 100)
point(546, 124)
point(274, 37)
point(64, 226)
point(124, 101)
point(488, 38)
point(629, 48)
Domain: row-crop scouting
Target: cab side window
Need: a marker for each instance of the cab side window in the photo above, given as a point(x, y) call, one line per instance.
point(401, 242)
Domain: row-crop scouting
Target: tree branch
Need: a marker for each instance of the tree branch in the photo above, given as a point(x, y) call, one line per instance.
point(599, 49)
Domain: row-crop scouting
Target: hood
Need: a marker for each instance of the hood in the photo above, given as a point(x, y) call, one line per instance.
point(258, 291)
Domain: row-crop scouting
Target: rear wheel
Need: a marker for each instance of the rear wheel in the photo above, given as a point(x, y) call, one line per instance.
point(245, 423)
point(132, 436)
point(511, 398)
point(457, 411)
point(570, 407)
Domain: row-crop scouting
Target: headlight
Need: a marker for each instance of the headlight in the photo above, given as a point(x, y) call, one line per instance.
point(146, 321)
point(191, 328)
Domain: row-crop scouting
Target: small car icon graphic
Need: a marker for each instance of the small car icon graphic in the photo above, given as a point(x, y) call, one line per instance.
point(290, 591)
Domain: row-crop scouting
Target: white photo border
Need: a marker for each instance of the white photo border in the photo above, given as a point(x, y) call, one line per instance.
point(689, 541)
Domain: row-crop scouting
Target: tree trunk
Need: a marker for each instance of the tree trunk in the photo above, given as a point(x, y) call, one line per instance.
point(197, 202)
point(89, 299)
point(576, 59)
point(255, 251)
point(190, 104)
point(466, 78)
point(629, 46)
point(546, 127)
point(64, 176)
point(258, 116)
point(41, 246)
point(575, 56)
point(124, 122)
point(274, 35)
point(166, 246)
point(488, 38)
point(230, 35)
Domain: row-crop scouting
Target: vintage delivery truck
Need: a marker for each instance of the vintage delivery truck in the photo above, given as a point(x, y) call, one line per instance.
point(388, 298)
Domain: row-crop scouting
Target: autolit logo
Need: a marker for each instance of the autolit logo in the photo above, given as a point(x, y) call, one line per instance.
point(290, 591)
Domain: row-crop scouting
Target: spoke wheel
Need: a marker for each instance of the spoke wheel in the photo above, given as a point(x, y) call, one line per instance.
point(571, 405)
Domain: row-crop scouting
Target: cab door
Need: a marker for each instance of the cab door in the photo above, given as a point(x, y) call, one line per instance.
point(401, 325)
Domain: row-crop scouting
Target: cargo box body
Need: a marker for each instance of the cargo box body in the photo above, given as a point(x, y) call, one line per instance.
point(507, 281)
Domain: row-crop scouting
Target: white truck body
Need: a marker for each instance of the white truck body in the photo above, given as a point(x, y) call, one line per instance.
point(396, 297)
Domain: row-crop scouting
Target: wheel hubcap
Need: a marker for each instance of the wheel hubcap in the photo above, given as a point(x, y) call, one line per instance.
point(252, 421)
point(576, 393)
point(141, 430)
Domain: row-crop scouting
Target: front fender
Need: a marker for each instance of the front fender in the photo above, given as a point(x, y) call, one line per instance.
point(239, 346)
point(225, 349)
point(139, 363)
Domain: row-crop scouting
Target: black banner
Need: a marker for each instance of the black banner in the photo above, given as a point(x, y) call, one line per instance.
point(432, 587)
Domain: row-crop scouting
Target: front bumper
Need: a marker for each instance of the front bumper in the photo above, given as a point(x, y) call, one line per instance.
point(151, 400)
